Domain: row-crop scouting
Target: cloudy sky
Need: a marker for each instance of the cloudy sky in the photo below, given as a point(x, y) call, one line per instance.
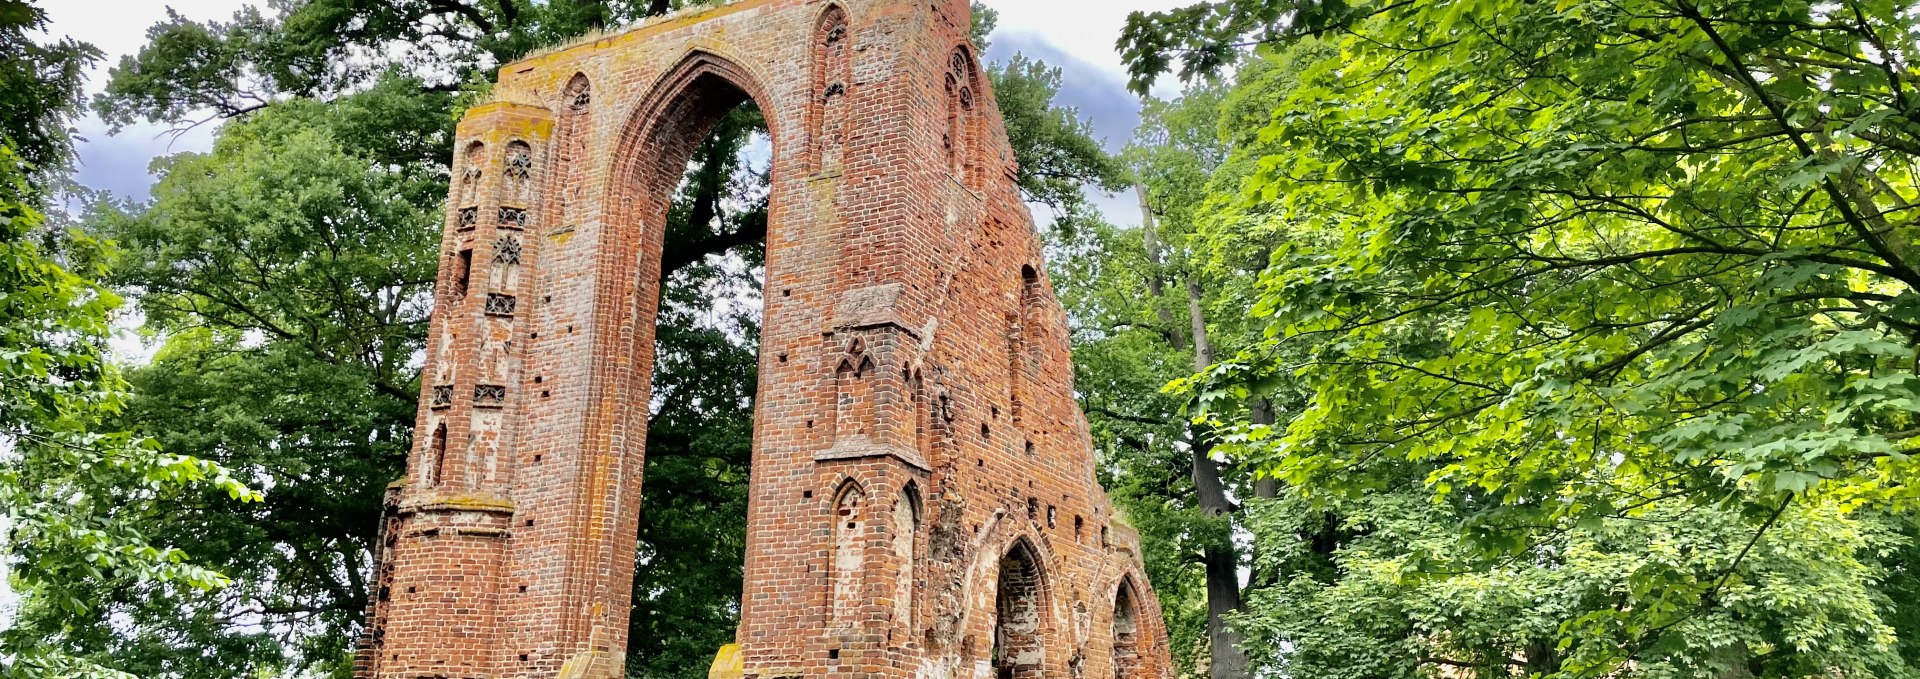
point(1075, 35)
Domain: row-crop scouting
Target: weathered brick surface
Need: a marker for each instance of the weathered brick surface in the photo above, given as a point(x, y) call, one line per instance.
point(922, 496)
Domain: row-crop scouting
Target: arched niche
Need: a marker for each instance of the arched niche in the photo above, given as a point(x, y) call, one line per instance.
point(1020, 610)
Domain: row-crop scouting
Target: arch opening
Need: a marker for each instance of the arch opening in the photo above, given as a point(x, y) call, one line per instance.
point(1019, 608)
point(1126, 632)
point(906, 525)
point(695, 186)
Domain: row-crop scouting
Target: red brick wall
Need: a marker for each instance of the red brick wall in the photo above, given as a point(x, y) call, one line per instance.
point(916, 422)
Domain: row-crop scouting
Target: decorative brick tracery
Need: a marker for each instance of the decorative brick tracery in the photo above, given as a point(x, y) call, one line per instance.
point(917, 449)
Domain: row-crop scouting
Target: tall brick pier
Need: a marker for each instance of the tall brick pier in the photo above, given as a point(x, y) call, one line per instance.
point(923, 501)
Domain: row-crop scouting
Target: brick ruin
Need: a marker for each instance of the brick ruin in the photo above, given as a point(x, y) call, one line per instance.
point(922, 500)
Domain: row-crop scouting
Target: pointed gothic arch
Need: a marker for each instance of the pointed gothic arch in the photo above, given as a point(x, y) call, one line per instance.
point(828, 110)
point(526, 567)
point(1021, 609)
point(902, 541)
point(1126, 635)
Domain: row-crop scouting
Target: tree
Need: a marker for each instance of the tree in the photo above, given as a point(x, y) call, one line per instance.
point(1122, 356)
point(1176, 151)
point(1058, 157)
point(1161, 468)
point(77, 495)
point(1573, 278)
point(289, 272)
point(39, 86)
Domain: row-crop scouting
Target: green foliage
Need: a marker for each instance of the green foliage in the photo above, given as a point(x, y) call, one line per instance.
point(325, 48)
point(39, 89)
point(1121, 360)
point(78, 496)
point(289, 271)
point(1208, 37)
point(1403, 596)
point(1618, 296)
point(1058, 155)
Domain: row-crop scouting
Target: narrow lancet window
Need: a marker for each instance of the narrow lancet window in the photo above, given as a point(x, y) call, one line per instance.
point(963, 81)
point(1126, 635)
point(437, 456)
point(906, 524)
point(575, 126)
point(832, 85)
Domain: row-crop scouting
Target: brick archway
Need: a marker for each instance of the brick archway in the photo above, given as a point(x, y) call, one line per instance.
point(911, 349)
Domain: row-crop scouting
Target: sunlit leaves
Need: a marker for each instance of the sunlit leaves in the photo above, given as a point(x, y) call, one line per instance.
point(76, 493)
point(1559, 265)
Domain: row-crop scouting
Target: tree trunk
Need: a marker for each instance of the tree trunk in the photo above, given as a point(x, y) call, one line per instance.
point(1735, 661)
point(1229, 659)
point(1260, 411)
point(1542, 658)
point(1202, 346)
point(1156, 277)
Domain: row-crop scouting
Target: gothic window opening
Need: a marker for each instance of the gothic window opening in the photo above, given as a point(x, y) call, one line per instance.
point(1126, 635)
point(963, 81)
point(506, 250)
point(1023, 355)
point(906, 525)
point(501, 305)
point(462, 275)
point(832, 77)
point(489, 395)
point(519, 166)
point(579, 93)
point(849, 522)
point(1019, 608)
point(572, 144)
point(437, 453)
point(512, 218)
point(474, 162)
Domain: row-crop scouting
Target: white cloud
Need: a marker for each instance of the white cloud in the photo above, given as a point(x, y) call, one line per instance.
point(119, 27)
point(118, 162)
point(1085, 29)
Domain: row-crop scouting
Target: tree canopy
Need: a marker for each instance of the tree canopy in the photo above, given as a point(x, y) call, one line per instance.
point(78, 495)
point(1560, 275)
point(1458, 338)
